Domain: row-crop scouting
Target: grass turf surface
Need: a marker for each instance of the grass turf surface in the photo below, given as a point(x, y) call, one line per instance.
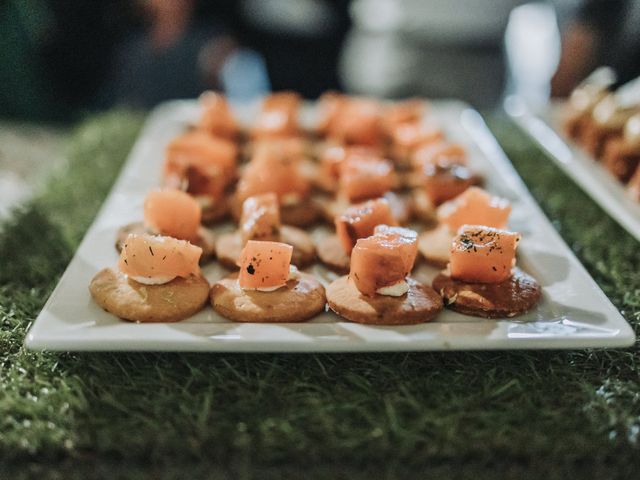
point(339, 415)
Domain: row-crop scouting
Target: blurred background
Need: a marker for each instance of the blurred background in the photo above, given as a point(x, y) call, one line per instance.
point(64, 59)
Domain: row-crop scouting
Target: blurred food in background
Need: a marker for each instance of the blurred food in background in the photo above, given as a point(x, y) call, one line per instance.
point(61, 59)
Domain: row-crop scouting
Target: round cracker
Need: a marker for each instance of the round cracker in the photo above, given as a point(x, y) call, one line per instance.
point(515, 296)
point(331, 254)
point(435, 245)
point(420, 304)
point(229, 246)
point(206, 238)
point(298, 301)
point(133, 301)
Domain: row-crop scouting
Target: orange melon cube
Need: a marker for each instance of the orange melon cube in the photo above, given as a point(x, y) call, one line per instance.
point(358, 123)
point(483, 254)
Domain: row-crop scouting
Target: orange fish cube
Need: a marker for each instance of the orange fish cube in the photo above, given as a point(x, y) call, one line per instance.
point(158, 257)
point(173, 213)
point(383, 259)
point(264, 265)
point(444, 181)
point(272, 170)
point(439, 152)
point(363, 177)
point(483, 254)
point(359, 221)
point(357, 123)
point(475, 206)
point(204, 163)
point(216, 118)
point(260, 218)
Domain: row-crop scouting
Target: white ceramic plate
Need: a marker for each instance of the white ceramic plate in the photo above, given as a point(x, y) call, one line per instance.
point(574, 312)
point(593, 178)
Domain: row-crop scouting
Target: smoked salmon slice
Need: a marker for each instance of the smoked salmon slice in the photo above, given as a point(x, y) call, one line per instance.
point(357, 123)
point(278, 117)
point(173, 213)
point(264, 265)
point(409, 111)
point(202, 163)
point(333, 157)
point(442, 152)
point(363, 177)
point(260, 218)
point(216, 118)
point(359, 221)
point(475, 206)
point(444, 181)
point(158, 257)
point(383, 259)
point(483, 254)
point(271, 170)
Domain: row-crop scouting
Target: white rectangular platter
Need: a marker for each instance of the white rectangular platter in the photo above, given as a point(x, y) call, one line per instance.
point(574, 312)
point(589, 174)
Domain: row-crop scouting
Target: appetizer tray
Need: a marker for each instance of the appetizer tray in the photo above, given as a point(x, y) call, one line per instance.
point(589, 174)
point(574, 312)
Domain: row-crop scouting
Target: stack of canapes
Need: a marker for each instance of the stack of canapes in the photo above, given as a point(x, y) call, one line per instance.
point(365, 168)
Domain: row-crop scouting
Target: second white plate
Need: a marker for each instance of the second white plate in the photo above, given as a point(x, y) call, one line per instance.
point(592, 177)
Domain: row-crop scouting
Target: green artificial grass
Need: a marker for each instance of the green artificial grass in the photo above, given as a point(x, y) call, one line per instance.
point(450, 415)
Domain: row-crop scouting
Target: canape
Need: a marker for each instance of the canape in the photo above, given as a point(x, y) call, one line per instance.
point(622, 155)
point(260, 220)
point(216, 118)
point(583, 100)
point(273, 169)
point(474, 206)
point(363, 176)
point(482, 280)
point(378, 289)
point(607, 122)
point(356, 121)
point(439, 182)
point(407, 138)
point(204, 166)
point(357, 221)
point(172, 213)
point(267, 288)
point(278, 117)
point(157, 280)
